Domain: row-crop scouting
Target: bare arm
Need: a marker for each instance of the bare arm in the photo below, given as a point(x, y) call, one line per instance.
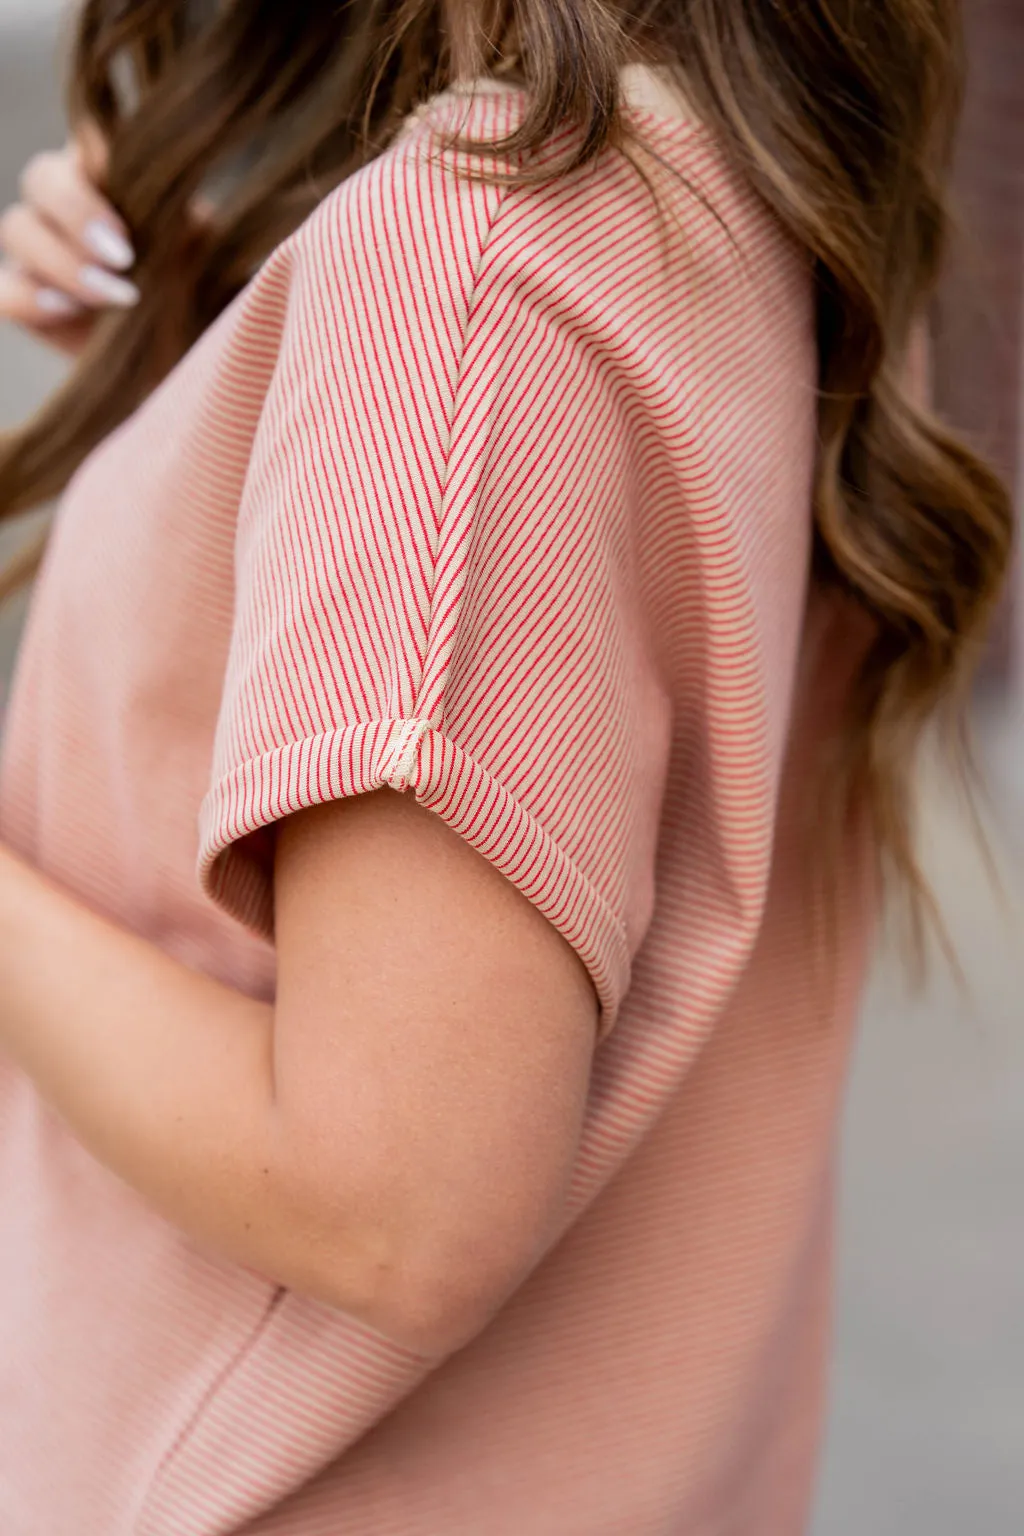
point(396, 1135)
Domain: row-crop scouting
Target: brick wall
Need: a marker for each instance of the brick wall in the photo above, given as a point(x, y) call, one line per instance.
point(979, 339)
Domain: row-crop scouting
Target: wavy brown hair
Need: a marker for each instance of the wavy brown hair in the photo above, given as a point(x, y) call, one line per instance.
point(840, 112)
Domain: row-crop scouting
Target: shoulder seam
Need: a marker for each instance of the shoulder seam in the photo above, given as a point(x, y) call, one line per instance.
point(438, 683)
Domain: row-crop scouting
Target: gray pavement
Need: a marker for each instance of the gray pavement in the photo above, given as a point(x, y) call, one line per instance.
point(926, 1435)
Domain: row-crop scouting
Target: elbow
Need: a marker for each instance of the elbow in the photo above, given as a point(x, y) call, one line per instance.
point(426, 1267)
point(427, 1286)
point(432, 1299)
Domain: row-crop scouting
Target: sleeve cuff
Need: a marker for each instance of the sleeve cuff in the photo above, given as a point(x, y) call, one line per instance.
point(406, 754)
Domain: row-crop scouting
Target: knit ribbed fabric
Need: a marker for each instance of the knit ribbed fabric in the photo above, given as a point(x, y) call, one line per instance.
point(497, 494)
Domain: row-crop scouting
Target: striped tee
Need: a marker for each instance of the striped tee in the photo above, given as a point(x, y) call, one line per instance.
point(497, 494)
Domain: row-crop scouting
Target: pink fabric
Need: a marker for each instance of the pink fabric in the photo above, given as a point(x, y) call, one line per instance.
point(499, 496)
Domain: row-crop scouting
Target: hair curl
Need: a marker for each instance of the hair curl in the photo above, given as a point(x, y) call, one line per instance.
point(840, 112)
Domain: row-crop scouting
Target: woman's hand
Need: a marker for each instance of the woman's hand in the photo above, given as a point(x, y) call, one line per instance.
point(66, 252)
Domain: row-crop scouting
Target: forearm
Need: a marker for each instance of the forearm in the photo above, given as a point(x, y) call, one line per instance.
point(165, 1075)
point(396, 1135)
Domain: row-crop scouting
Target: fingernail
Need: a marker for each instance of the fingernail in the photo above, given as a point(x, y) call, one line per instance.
point(112, 290)
point(52, 302)
point(109, 245)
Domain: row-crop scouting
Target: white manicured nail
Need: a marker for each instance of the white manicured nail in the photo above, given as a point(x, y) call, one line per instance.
point(52, 302)
point(109, 245)
point(112, 290)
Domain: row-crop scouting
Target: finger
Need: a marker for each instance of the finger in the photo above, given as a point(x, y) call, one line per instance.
point(49, 315)
point(202, 211)
point(90, 151)
point(26, 303)
point(55, 187)
point(47, 258)
point(22, 301)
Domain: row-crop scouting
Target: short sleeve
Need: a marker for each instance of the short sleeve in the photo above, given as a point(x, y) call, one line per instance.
point(445, 549)
point(432, 568)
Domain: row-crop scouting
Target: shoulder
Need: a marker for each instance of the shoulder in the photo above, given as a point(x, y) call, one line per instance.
point(649, 271)
point(416, 219)
point(421, 216)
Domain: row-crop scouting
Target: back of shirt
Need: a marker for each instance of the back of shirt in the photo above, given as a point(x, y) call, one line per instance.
point(498, 494)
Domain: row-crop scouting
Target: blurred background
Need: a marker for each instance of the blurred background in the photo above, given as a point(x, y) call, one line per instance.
point(926, 1432)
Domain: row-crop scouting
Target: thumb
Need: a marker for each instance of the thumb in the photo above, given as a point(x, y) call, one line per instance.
point(91, 152)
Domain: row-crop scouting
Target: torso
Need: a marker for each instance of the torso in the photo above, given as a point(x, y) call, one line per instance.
point(662, 1370)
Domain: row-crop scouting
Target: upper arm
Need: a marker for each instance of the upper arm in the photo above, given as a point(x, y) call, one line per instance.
point(433, 1040)
point(440, 591)
point(435, 590)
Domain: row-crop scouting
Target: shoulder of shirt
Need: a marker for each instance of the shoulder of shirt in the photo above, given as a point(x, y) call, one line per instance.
point(421, 189)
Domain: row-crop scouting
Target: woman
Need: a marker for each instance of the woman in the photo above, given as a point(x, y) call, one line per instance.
point(467, 704)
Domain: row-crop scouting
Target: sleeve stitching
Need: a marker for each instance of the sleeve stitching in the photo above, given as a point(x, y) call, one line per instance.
point(500, 204)
point(419, 729)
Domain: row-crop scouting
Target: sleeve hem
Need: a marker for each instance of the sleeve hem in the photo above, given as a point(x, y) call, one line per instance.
point(407, 754)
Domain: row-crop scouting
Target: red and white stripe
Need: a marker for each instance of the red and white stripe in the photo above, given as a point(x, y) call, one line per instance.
point(499, 495)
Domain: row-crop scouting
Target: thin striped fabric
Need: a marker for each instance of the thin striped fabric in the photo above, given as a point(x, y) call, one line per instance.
point(497, 494)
